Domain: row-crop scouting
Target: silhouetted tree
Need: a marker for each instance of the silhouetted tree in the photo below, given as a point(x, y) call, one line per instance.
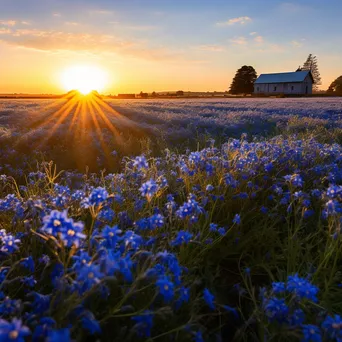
point(311, 64)
point(243, 82)
point(299, 69)
point(336, 86)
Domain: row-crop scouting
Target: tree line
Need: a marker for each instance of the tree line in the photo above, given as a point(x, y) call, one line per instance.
point(243, 81)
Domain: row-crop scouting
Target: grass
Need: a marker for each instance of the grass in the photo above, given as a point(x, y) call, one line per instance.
point(138, 266)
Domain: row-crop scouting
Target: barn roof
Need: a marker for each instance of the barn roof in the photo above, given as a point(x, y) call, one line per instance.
point(284, 77)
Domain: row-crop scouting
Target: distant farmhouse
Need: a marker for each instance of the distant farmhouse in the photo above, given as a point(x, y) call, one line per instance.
point(295, 83)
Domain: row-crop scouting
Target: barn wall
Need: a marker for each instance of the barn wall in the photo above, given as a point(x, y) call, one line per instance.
point(307, 83)
point(283, 88)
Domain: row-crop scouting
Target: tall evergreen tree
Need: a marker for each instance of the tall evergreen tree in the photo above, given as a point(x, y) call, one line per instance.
point(311, 64)
point(336, 86)
point(243, 82)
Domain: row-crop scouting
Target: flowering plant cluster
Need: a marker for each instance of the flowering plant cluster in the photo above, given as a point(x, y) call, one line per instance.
point(182, 247)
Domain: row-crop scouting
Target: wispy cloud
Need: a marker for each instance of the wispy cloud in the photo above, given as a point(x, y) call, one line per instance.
point(239, 41)
point(59, 41)
point(259, 39)
point(9, 23)
point(253, 33)
point(233, 21)
point(102, 12)
point(56, 14)
point(297, 44)
point(4, 30)
point(257, 44)
point(210, 47)
point(134, 27)
point(71, 23)
point(141, 27)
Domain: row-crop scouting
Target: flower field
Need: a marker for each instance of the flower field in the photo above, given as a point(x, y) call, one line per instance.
point(173, 220)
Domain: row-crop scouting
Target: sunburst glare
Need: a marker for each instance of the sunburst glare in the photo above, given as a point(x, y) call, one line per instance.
point(84, 78)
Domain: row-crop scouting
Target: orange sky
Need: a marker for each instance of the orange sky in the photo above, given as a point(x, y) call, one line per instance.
point(161, 46)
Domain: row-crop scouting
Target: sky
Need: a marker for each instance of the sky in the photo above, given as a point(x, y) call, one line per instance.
point(163, 45)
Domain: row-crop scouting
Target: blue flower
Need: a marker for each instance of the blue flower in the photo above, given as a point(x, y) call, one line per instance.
point(132, 240)
point(57, 273)
point(278, 288)
point(334, 191)
point(43, 329)
point(295, 180)
point(59, 335)
point(311, 333)
point(144, 324)
point(165, 288)
point(142, 224)
point(44, 259)
point(149, 189)
point(29, 281)
point(140, 162)
point(9, 244)
point(98, 196)
point(89, 275)
point(183, 237)
point(232, 310)
point(111, 236)
point(58, 224)
point(302, 288)
point(198, 337)
point(156, 221)
point(276, 309)
point(106, 215)
point(209, 298)
point(213, 227)
point(297, 318)
point(13, 331)
point(269, 167)
point(184, 296)
point(9, 306)
point(41, 303)
point(237, 219)
point(28, 263)
point(209, 188)
point(189, 208)
point(90, 323)
point(221, 231)
point(333, 327)
point(81, 259)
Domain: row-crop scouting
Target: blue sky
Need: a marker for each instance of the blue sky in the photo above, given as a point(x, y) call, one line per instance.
point(161, 45)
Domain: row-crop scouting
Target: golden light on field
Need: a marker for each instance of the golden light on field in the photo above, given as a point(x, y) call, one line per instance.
point(84, 78)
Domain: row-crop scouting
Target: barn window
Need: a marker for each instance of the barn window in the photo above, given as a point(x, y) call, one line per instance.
point(275, 89)
point(292, 87)
point(257, 88)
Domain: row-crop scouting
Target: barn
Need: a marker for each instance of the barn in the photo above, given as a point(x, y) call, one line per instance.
point(289, 83)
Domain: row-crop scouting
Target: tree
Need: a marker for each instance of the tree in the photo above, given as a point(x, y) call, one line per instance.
point(336, 86)
point(243, 82)
point(311, 64)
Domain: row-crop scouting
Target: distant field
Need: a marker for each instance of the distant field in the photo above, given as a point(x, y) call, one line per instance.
point(173, 220)
point(125, 127)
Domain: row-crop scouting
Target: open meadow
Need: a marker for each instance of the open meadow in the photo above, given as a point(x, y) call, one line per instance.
point(171, 220)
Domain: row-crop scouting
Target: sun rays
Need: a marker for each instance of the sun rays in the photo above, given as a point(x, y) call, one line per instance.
point(81, 118)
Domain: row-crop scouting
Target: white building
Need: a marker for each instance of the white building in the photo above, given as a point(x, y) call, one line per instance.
point(296, 83)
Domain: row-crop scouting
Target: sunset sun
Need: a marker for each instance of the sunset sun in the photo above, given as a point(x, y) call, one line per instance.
point(84, 79)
